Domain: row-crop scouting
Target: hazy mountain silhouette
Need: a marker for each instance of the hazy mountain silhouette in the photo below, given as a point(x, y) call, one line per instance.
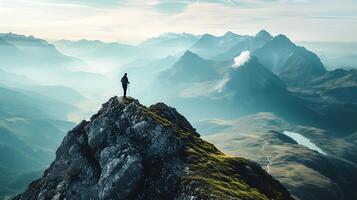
point(9, 53)
point(209, 45)
point(81, 47)
point(190, 68)
point(172, 39)
point(24, 84)
point(22, 51)
point(114, 53)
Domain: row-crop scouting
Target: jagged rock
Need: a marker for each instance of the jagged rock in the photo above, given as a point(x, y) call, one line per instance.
point(128, 151)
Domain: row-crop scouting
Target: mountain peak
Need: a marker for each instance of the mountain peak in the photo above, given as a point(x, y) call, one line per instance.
point(189, 53)
point(129, 151)
point(207, 37)
point(172, 35)
point(254, 76)
point(279, 41)
point(252, 64)
point(229, 33)
point(264, 34)
point(171, 38)
point(282, 39)
point(191, 68)
point(190, 57)
point(17, 38)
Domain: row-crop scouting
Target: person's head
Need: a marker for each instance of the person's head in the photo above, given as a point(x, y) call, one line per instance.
point(125, 74)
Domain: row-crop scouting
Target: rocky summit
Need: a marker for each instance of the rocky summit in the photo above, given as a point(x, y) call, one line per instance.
point(129, 151)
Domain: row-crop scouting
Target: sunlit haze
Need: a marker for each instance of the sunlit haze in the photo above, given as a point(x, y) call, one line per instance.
point(135, 20)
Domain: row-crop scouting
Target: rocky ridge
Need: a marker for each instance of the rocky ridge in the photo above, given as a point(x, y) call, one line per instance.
point(129, 151)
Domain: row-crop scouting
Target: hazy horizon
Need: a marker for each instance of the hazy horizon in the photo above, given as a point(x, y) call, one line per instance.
point(159, 34)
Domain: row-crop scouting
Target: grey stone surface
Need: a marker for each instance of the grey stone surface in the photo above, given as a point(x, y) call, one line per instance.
point(118, 154)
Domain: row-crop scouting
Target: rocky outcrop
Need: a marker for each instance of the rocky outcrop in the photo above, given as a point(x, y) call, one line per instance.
point(129, 151)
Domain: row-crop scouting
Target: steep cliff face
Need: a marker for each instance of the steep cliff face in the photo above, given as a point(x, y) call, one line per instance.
point(129, 151)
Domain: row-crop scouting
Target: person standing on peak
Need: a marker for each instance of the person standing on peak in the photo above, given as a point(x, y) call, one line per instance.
point(124, 83)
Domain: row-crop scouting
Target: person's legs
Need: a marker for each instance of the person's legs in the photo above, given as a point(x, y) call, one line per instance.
point(124, 88)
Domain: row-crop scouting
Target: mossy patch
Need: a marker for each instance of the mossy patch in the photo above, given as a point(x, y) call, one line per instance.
point(219, 176)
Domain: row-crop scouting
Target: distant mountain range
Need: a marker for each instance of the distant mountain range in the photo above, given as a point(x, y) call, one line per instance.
point(222, 83)
point(209, 45)
point(169, 44)
point(295, 65)
point(249, 44)
point(172, 39)
point(245, 89)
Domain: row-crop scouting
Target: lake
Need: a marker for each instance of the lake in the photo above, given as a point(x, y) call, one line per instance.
point(300, 139)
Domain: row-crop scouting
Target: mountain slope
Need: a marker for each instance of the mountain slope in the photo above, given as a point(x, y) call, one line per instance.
point(333, 96)
point(30, 131)
point(128, 151)
point(339, 85)
point(295, 65)
point(336, 78)
point(79, 48)
point(306, 173)
point(9, 52)
point(253, 89)
point(33, 105)
point(252, 76)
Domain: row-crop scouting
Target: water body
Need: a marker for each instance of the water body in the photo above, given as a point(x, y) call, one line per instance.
point(300, 139)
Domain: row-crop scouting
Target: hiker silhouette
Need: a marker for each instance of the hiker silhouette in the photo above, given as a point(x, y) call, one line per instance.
point(124, 83)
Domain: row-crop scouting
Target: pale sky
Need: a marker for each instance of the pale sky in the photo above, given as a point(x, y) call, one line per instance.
point(135, 20)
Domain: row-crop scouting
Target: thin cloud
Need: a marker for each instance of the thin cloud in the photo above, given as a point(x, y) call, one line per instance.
point(241, 59)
